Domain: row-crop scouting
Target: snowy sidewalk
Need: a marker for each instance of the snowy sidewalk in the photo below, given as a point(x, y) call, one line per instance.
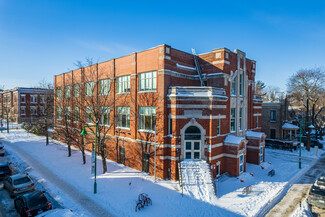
point(91, 206)
point(298, 192)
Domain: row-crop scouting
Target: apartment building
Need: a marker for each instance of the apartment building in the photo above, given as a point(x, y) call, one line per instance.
point(24, 104)
point(193, 107)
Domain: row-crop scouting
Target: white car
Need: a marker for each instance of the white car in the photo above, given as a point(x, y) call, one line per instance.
point(57, 213)
point(2, 150)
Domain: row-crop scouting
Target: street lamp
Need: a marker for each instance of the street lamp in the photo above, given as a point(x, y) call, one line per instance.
point(83, 133)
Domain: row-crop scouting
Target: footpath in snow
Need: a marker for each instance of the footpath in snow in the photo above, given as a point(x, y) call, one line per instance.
point(119, 188)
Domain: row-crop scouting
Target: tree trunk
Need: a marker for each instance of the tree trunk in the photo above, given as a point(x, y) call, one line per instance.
point(7, 123)
point(104, 164)
point(47, 133)
point(83, 156)
point(69, 149)
point(306, 127)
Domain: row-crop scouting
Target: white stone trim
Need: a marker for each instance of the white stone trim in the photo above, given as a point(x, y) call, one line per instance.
point(168, 158)
point(253, 147)
point(200, 117)
point(257, 107)
point(257, 114)
point(196, 106)
point(221, 61)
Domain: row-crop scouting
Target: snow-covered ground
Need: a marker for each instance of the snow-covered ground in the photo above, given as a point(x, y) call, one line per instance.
point(119, 188)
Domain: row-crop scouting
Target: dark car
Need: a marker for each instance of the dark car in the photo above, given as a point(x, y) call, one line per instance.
point(316, 195)
point(2, 150)
point(32, 204)
point(5, 170)
point(313, 142)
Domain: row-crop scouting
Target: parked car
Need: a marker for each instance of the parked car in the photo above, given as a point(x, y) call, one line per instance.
point(313, 142)
point(5, 170)
point(57, 212)
point(18, 184)
point(2, 150)
point(32, 204)
point(316, 195)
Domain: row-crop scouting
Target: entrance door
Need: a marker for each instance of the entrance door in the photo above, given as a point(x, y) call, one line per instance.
point(192, 149)
point(272, 134)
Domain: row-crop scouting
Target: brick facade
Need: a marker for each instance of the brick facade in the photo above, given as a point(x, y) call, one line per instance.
point(192, 121)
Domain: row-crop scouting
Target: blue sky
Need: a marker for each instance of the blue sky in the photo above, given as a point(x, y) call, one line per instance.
point(42, 38)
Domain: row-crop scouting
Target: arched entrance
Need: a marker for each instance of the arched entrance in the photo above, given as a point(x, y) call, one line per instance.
point(192, 142)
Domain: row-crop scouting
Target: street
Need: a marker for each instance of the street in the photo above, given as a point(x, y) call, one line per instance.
point(299, 192)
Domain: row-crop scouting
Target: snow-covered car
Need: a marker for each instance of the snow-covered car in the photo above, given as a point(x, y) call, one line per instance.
point(57, 212)
point(2, 150)
point(316, 195)
point(18, 184)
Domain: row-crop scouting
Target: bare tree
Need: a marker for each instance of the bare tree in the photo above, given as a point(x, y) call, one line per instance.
point(307, 87)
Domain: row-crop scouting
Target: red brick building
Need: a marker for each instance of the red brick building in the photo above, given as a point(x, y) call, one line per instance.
point(24, 104)
point(201, 110)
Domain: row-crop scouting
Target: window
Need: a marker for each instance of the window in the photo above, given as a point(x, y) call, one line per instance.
point(257, 121)
point(273, 134)
point(67, 92)
point(58, 113)
point(241, 119)
point(22, 110)
point(104, 119)
point(233, 120)
point(241, 84)
point(234, 87)
point(170, 126)
point(273, 115)
point(23, 98)
point(42, 99)
point(123, 116)
point(241, 163)
point(89, 114)
point(33, 110)
point(218, 127)
point(42, 110)
point(104, 87)
point(58, 92)
point(261, 154)
point(147, 118)
point(123, 84)
point(89, 88)
point(68, 113)
point(147, 81)
point(76, 114)
point(33, 98)
point(76, 90)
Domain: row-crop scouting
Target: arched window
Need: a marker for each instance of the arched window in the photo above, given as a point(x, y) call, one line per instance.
point(192, 133)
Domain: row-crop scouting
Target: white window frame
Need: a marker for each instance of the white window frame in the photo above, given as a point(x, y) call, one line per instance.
point(148, 81)
point(147, 113)
point(122, 111)
point(76, 114)
point(24, 109)
point(123, 84)
point(89, 88)
point(59, 92)
point(33, 99)
point(42, 99)
point(76, 90)
point(241, 84)
point(67, 91)
point(68, 113)
point(233, 119)
point(89, 113)
point(170, 126)
point(23, 96)
point(261, 154)
point(42, 109)
point(240, 118)
point(105, 110)
point(271, 115)
point(58, 113)
point(104, 87)
point(33, 110)
point(257, 121)
point(218, 126)
point(241, 163)
point(233, 88)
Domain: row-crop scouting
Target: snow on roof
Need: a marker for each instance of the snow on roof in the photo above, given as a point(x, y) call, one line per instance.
point(289, 126)
point(233, 139)
point(254, 134)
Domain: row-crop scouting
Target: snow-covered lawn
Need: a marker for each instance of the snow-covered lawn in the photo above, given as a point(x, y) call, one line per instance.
point(119, 188)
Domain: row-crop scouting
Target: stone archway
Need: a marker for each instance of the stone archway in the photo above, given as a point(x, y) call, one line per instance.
point(193, 141)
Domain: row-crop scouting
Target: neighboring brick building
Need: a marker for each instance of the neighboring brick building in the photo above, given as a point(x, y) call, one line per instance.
point(199, 115)
point(24, 104)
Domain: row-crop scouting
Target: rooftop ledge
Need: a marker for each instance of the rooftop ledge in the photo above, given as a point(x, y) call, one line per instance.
point(196, 93)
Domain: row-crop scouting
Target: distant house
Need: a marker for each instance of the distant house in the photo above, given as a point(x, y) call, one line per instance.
point(276, 118)
point(24, 104)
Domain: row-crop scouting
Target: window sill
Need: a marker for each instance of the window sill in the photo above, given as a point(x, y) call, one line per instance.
point(146, 131)
point(147, 91)
point(123, 128)
point(123, 93)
